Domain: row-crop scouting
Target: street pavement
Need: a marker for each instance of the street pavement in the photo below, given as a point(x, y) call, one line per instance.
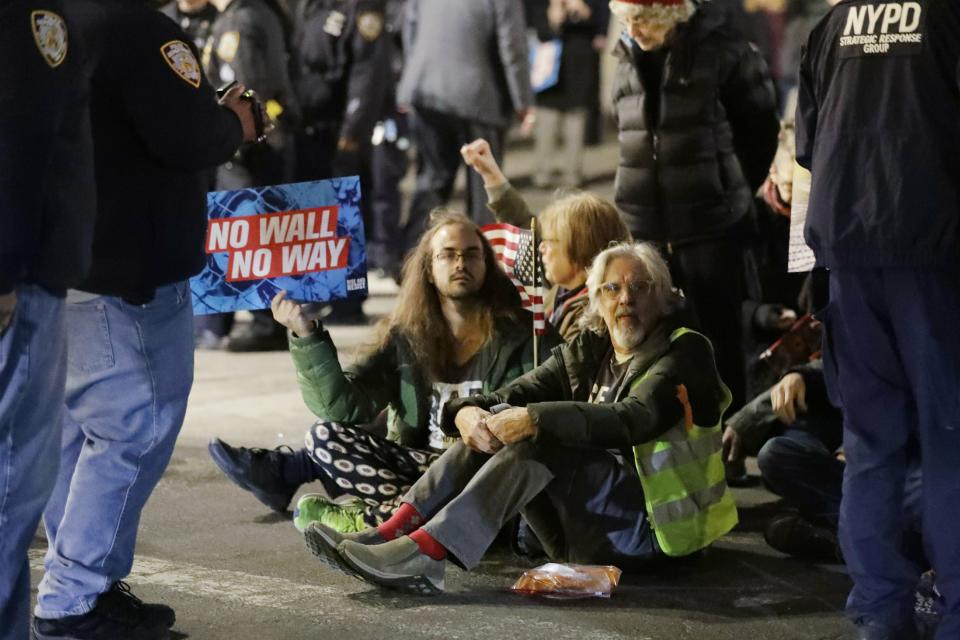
point(234, 570)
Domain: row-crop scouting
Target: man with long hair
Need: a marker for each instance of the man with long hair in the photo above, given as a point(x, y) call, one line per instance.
point(457, 329)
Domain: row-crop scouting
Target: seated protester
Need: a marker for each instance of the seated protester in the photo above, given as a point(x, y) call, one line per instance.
point(796, 433)
point(571, 231)
point(610, 449)
point(457, 329)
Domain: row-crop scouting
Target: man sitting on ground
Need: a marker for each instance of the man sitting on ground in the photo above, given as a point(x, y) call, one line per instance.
point(611, 449)
point(457, 329)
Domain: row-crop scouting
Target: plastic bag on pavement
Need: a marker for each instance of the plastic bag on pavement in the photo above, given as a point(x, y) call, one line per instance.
point(554, 580)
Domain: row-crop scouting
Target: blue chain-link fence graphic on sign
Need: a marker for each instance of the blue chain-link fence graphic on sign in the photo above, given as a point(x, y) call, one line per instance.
point(218, 289)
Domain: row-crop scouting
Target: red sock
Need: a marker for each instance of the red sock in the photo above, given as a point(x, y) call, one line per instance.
point(403, 521)
point(428, 545)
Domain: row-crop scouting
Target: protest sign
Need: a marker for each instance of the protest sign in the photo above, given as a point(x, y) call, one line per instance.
point(306, 238)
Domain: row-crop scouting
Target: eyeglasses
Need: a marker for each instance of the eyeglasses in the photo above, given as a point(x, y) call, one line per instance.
point(451, 256)
point(613, 290)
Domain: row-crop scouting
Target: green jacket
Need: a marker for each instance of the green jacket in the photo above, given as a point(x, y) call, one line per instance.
point(556, 392)
point(391, 378)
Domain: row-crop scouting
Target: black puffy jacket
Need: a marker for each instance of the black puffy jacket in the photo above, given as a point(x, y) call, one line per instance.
point(692, 173)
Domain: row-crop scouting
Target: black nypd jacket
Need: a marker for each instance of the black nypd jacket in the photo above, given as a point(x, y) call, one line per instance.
point(342, 64)
point(692, 173)
point(156, 125)
point(46, 170)
point(878, 125)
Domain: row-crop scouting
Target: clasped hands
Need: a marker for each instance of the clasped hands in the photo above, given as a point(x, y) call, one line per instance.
point(487, 432)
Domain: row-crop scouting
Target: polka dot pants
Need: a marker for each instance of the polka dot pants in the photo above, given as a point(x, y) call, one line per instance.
point(376, 470)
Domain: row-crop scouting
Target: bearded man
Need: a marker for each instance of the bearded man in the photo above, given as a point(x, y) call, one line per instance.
point(610, 449)
point(458, 329)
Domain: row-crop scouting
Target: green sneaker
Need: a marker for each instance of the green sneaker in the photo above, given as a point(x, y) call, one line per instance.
point(344, 517)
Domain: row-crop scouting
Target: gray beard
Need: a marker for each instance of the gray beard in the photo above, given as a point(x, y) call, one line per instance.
point(629, 340)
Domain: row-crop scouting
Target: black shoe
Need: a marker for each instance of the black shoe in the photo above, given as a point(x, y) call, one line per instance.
point(117, 615)
point(259, 471)
point(796, 536)
point(249, 342)
point(873, 630)
point(736, 473)
point(928, 606)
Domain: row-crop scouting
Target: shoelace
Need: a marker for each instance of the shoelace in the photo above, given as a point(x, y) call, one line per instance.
point(122, 589)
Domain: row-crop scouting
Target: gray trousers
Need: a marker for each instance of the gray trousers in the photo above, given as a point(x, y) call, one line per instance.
point(549, 155)
point(585, 505)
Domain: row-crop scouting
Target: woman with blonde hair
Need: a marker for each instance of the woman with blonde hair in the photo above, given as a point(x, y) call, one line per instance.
point(572, 231)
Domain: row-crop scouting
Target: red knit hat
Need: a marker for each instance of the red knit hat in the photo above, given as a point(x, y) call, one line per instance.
point(653, 10)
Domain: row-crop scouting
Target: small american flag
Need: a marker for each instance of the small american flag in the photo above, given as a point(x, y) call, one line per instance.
point(514, 249)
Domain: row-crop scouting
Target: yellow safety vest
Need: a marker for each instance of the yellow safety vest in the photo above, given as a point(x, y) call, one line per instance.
point(688, 502)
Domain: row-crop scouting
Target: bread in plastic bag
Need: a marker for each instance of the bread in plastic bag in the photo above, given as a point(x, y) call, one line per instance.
point(554, 580)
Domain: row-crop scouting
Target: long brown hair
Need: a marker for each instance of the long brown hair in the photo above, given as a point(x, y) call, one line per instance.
point(418, 316)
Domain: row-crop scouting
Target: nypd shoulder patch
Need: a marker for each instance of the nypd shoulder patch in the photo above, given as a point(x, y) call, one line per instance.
point(50, 34)
point(179, 57)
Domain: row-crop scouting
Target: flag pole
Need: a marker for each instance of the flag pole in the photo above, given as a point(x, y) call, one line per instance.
point(536, 288)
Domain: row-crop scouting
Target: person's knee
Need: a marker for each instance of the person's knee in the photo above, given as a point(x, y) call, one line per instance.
point(320, 438)
point(773, 459)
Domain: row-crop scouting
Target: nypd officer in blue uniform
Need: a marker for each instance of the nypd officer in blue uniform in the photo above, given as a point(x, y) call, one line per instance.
point(248, 44)
point(878, 124)
point(341, 73)
point(195, 17)
point(47, 204)
point(388, 161)
point(156, 126)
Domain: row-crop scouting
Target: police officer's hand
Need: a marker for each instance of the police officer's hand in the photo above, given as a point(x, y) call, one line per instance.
point(471, 423)
point(347, 145)
point(512, 425)
point(291, 315)
point(8, 304)
point(478, 156)
point(788, 396)
point(233, 100)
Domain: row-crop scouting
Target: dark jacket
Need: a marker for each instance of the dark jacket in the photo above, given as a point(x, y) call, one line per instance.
point(198, 25)
point(466, 59)
point(248, 44)
point(392, 377)
point(880, 132)
point(342, 64)
point(156, 126)
point(556, 393)
point(756, 422)
point(579, 74)
point(47, 197)
point(691, 173)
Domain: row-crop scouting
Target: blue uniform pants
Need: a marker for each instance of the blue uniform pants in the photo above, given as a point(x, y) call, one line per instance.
point(129, 371)
point(892, 360)
point(33, 365)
